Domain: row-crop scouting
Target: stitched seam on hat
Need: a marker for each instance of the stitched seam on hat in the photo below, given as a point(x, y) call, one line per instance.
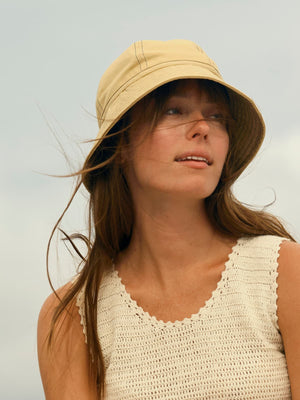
point(136, 56)
point(98, 104)
point(142, 45)
point(121, 88)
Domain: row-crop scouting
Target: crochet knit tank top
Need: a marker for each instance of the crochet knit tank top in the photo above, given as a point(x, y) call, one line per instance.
point(231, 349)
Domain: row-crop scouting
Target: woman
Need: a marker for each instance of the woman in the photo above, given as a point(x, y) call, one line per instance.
point(184, 293)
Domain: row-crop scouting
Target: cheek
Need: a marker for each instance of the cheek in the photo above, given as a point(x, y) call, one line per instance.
point(137, 160)
point(223, 147)
point(150, 160)
point(154, 147)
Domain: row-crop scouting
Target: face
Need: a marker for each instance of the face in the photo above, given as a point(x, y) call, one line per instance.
point(185, 153)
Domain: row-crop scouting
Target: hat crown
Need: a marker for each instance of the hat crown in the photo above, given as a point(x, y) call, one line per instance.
point(143, 57)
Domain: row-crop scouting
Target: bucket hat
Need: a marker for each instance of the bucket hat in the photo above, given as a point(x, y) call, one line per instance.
point(148, 64)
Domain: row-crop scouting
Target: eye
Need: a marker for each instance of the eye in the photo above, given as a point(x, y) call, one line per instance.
point(173, 111)
point(217, 116)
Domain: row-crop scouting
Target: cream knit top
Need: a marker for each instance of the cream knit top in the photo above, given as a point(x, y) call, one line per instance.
point(231, 349)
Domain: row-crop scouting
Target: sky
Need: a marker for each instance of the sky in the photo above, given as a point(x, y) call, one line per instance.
point(53, 54)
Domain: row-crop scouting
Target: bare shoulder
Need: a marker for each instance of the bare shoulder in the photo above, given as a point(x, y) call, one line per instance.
point(64, 365)
point(67, 322)
point(288, 271)
point(289, 309)
point(288, 279)
point(52, 302)
point(289, 250)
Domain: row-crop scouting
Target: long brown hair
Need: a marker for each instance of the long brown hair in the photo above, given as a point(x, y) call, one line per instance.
point(111, 213)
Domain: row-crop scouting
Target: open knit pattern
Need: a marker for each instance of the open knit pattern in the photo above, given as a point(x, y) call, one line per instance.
point(231, 349)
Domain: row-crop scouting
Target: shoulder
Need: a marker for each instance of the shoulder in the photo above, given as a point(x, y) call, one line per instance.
point(264, 248)
point(288, 279)
point(67, 324)
point(64, 365)
point(288, 271)
point(289, 252)
point(288, 309)
point(69, 316)
point(52, 301)
point(263, 241)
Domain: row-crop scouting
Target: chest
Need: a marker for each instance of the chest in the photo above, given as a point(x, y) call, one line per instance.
point(218, 353)
point(184, 300)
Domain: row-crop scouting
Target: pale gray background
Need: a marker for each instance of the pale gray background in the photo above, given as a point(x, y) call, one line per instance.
point(52, 56)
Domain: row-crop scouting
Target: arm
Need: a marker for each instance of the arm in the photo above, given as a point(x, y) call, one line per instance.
point(288, 310)
point(64, 367)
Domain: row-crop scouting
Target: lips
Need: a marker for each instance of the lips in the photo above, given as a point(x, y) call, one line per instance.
point(194, 157)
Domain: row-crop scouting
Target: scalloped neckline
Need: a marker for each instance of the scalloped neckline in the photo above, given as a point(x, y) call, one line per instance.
point(152, 318)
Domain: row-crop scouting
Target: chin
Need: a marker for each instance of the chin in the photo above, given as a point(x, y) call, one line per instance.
point(196, 190)
point(192, 190)
point(193, 193)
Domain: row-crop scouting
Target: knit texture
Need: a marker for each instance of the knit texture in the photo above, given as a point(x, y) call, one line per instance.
point(231, 349)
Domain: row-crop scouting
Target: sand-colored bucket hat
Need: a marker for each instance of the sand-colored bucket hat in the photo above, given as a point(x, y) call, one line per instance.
point(148, 64)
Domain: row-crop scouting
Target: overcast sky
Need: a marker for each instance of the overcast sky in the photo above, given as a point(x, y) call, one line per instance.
point(53, 54)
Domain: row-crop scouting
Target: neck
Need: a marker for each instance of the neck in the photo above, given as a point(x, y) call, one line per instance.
point(169, 238)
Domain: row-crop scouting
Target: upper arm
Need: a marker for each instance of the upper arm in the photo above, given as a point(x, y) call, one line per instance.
point(64, 367)
point(288, 310)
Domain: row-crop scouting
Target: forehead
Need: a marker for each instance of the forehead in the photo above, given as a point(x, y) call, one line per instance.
point(184, 86)
point(212, 91)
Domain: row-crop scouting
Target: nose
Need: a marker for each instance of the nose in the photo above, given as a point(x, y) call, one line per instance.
point(198, 128)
